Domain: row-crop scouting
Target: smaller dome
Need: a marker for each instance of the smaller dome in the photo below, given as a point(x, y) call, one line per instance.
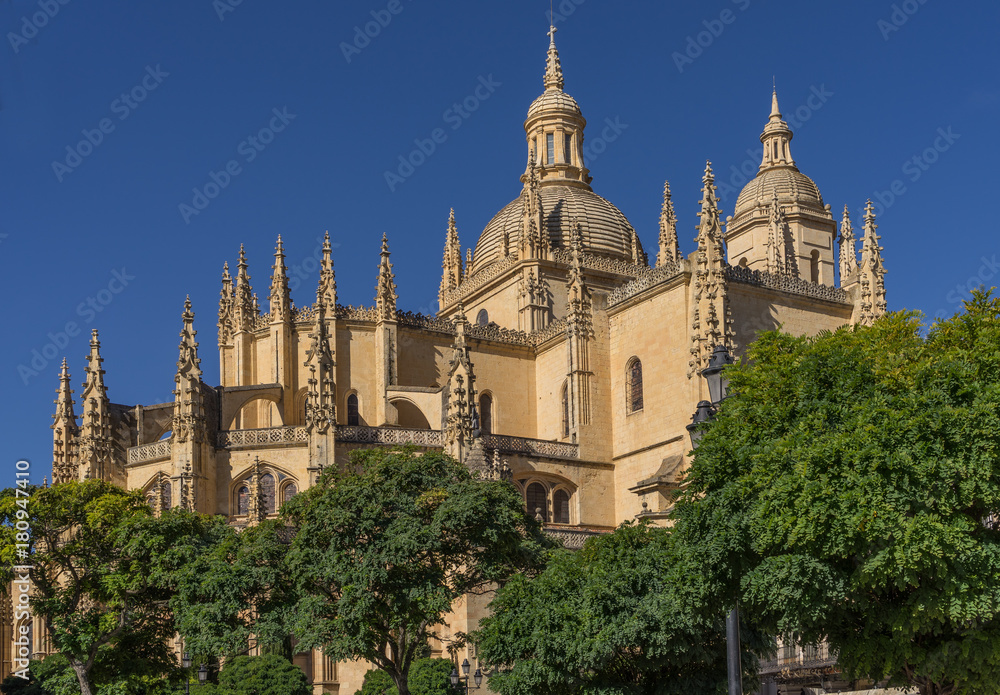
point(790, 185)
point(554, 100)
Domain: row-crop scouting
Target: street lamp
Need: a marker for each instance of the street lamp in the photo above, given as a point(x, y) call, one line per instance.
point(186, 663)
point(477, 677)
point(203, 673)
point(718, 386)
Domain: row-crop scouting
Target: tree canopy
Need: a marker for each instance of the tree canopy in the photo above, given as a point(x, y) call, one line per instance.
point(385, 548)
point(848, 492)
point(625, 615)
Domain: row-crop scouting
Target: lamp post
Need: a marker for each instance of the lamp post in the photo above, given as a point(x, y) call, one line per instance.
point(718, 387)
point(186, 663)
point(456, 679)
point(202, 674)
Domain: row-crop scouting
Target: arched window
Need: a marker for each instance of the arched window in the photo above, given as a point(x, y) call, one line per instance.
point(243, 501)
point(151, 500)
point(814, 267)
point(167, 502)
point(568, 149)
point(565, 410)
point(483, 317)
point(289, 492)
point(743, 262)
point(267, 492)
point(353, 416)
point(633, 385)
point(550, 148)
point(560, 507)
point(486, 413)
point(537, 501)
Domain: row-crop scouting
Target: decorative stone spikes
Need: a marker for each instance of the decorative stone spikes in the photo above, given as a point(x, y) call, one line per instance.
point(639, 256)
point(452, 274)
point(781, 259)
point(468, 259)
point(64, 432)
point(776, 138)
point(461, 394)
point(280, 298)
point(189, 405)
point(579, 315)
point(245, 308)
point(670, 247)
point(226, 306)
point(321, 406)
point(257, 511)
point(534, 243)
point(385, 290)
point(327, 292)
point(848, 252)
point(553, 68)
point(95, 441)
point(161, 493)
point(188, 500)
point(871, 273)
point(711, 321)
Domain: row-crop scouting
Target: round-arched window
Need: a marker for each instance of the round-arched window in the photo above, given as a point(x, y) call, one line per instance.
point(560, 507)
point(483, 317)
point(537, 501)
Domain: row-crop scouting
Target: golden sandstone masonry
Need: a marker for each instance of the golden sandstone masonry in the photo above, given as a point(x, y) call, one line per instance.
point(560, 358)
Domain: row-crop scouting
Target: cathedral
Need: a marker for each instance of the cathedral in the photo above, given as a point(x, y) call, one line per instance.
point(565, 357)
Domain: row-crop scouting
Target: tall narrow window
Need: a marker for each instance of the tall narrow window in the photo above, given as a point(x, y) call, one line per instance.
point(560, 507)
point(537, 501)
point(243, 501)
point(353, 416)
point(814, 267)
point(486, 413)
point(267, 492)
point(568, 149)
point(633, 388)
point(289, 492)
point(565, 411)
point(167, 501)
point(550, 148)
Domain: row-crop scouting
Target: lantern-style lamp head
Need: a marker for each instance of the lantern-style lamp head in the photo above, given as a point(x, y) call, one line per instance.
point(203, 673)
point(702, 414)
point(466, 667)
point(186, 660)
point(454, 677)
point(713, 373)
point(478, 677)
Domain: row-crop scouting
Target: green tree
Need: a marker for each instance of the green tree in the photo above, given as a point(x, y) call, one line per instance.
point(96, 582)
point(848, 492)
point(427, 677)
point(385, 549)
point(15, 685)
point(271, 674)
point(626, 614)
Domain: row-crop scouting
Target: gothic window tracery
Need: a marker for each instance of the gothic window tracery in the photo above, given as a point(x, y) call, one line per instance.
point(167, 501)
point(289, 492)
point(267, 492)
point(537, 501)
point(633, 385)
point(243, 501)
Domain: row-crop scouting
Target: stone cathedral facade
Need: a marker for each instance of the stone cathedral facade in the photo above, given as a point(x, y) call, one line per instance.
point(564, 357)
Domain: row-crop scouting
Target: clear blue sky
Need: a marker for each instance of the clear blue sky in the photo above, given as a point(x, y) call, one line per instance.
point(211, 74)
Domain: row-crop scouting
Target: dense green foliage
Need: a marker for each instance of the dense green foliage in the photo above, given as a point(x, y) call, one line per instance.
point(384, 549)
point(15, 685)
point(427, 677)
point(848, 491)
point(627, 614)
point(270, 674)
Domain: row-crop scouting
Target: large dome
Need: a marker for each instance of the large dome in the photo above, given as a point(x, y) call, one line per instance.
point(606, 231)
point(788, 183)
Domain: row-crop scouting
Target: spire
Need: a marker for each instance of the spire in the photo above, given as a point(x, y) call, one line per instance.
point(578, 296)
point(244, 309)
point(848, 252)
point(385, 290)
point(711, 322)
point(670, 248)
point(189, 405)
point(553, 68)
point(775, 139)
point(781, 258)
point(226, 306)
point(327, 292)
point(95, 451)
point(321, 408)
point(871, 300)
point(468, 261)
point(460, 394)
point(64, 432)
point(280, 299)
point(451, 276)
point(534, 241)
